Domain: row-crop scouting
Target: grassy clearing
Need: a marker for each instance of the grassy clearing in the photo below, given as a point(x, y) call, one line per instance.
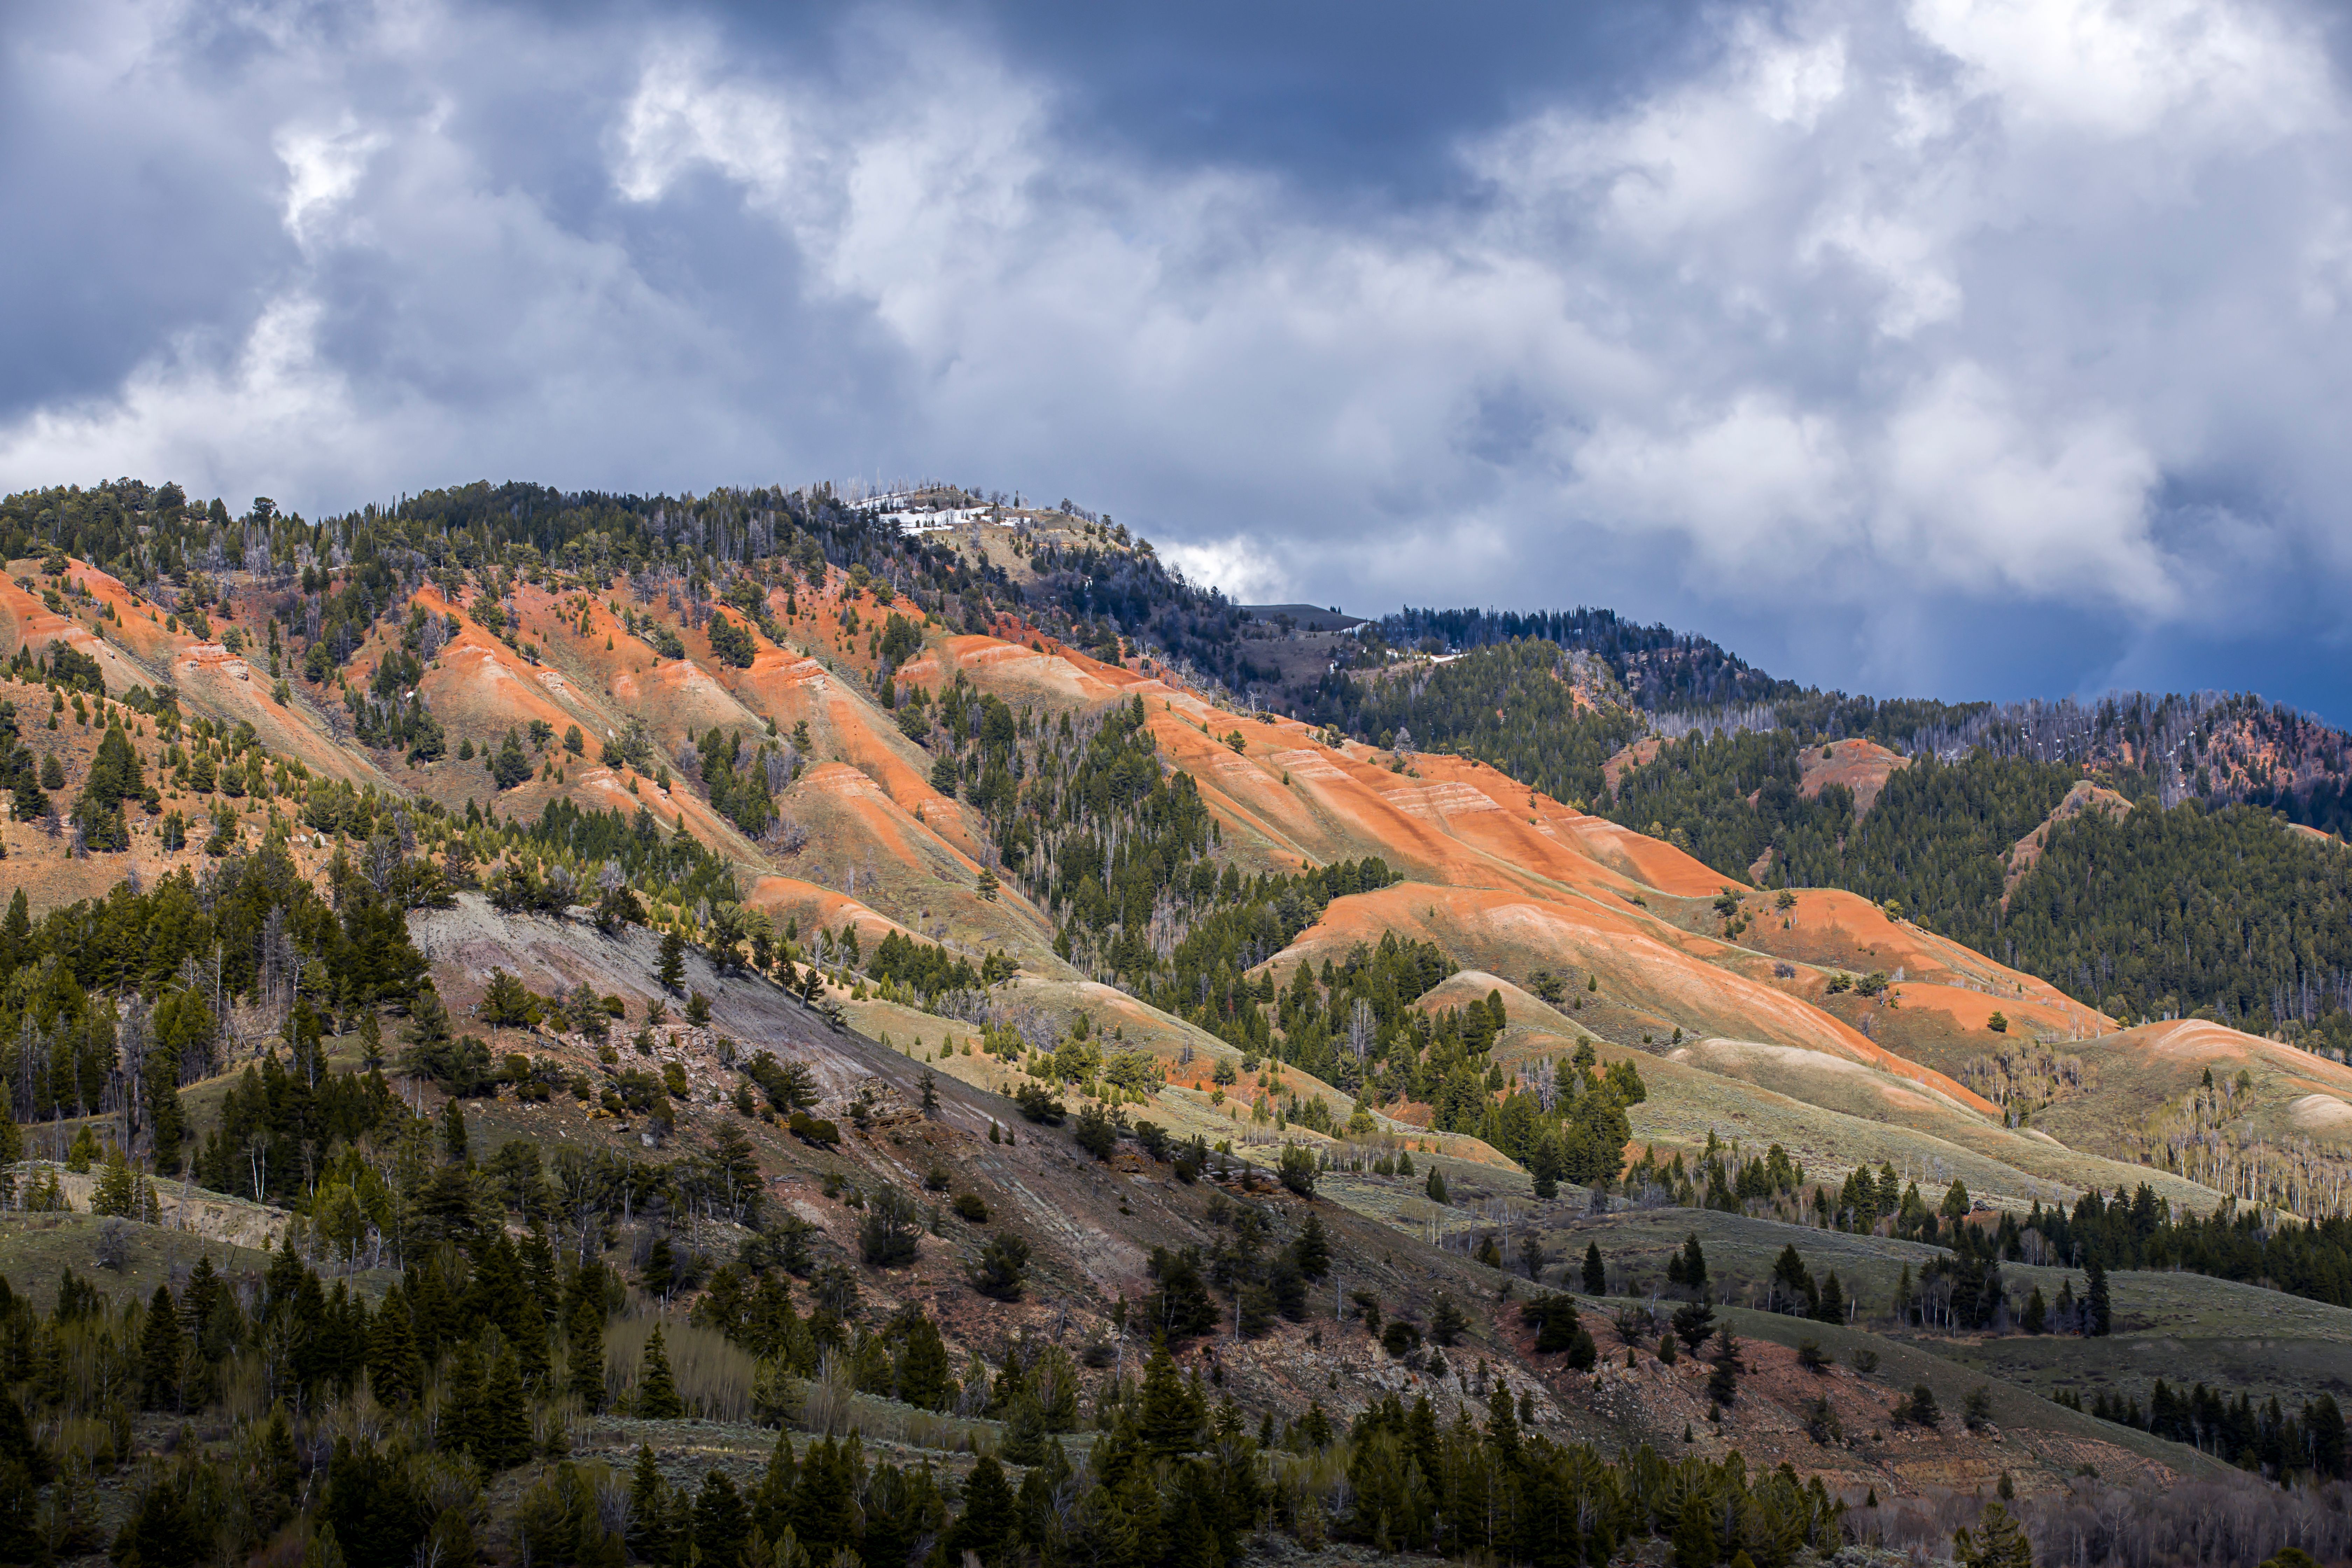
point(36, 1248)
point(2019, 1411)
point(2185, 1327)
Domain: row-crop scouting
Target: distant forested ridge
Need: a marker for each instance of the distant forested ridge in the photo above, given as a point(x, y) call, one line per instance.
point(2199, 900)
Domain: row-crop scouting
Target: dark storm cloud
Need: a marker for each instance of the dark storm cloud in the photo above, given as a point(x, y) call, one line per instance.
point(1965, 346)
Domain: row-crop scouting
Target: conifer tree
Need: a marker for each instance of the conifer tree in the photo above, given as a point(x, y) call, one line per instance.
point(649, 1539)
point(1312, 1251)
point(986, 1524)
point(465, 1410)
point(394, 1372)
point(167, 1120)
point(1997, 1542)
point(587, 1360)
point(1172, 1413)
point(116, 1193)
point(671, 968)
point(505, 1437)
point(160, 1349)
point(1693, 1537)
point(656, 1397)
point(1596, 1273)
point(2101, 1316)
point(511, 766)
point(1446, 1322)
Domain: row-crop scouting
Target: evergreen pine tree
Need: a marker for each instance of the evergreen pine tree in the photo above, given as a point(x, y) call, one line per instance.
point(394, 1372)
point(463, 1408)
point(455, 1146)
point(649, 1539)
point(656, 1397)
point(1171, 1411)
point(584, 1377)
point(2102, 1309)
point(1693, 1262)
point(505, 1424)
point(1693, 1537)
point(511, 766)
point(116, 1192)
point(671, 968)
point(986, 1524)
point(167, 1120)
point(1312, 1250)
point(1997, 1542)
point(160, 1349)
point(1446, 1322)
point(1596, 1273)
point(736, 1168)
point(1503, 1422)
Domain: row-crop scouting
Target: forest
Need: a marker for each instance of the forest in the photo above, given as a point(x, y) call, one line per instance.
point(2210, 908)
point(488, 1353)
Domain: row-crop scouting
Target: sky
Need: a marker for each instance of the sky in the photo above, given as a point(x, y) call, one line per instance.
point(1965, 348)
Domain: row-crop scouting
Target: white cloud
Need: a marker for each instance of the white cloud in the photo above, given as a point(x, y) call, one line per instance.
point(1874, 305)
point(1247, 574)
point(1989, 501)
point(322, 171)
point(1762, 490)
point(220, 423)
point(2121, 69)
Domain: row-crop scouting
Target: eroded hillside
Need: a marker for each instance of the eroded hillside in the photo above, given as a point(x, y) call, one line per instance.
point(838, 927)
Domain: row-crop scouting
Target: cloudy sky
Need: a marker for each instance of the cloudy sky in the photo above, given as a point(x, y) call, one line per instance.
point(1965, 347)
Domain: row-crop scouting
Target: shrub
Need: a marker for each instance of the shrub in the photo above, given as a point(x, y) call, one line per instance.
point(1636, 1325)
point(1919, 1409)
point(886, 1237)
point(1446, 1323)
point(972, 1206)
point(1040, 1107)
point(1977, 1410)
point(731, 643)
point(1097, 1135)
point(1554, 1319)
point(997, 1274)
point(809, 1130)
